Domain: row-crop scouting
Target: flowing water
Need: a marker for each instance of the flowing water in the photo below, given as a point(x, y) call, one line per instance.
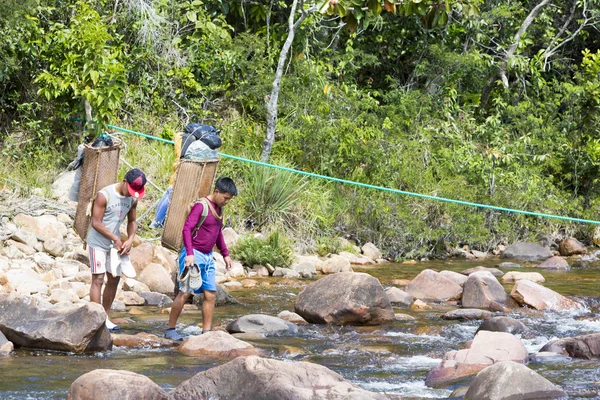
point(393, 358)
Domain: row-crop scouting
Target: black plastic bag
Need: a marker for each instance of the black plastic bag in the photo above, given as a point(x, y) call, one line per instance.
point(206, 133)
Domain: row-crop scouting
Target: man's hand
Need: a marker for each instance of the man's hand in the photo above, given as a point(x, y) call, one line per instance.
point(118, 244)
point(189, 261)
point(126, 247)
point(228, 264)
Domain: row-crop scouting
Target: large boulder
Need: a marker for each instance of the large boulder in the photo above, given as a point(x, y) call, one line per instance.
point(530, 294)
point(571, 246)
point(267, 379)
point(156, 278)
point(43, 227)
point(432, 286)
point(261, 323)
point(487, 348)
point(216, 344)
point(457, 278)
point(28, 322)
point(398, 296)
point(141, 256)
point(555, 262)
point(482, 290)
point(345, 298)
point(503, 324)
point(587, 346)
point(371, 251)
point(25, 237)
point(513, 276)
point(508, 380)
point(110, 384)
point(526, 252)
point(336, 264)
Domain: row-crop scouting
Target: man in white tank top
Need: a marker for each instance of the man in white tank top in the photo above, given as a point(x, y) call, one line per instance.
point(112, 204)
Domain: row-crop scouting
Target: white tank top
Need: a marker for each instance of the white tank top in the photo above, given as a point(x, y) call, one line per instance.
point(117, 207)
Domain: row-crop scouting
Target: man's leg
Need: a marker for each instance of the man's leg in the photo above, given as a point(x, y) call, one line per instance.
point(176, 308)
point(110, 290)
point(96, 287)
point(208, 308)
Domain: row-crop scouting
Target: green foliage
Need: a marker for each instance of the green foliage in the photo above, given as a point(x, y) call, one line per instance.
point(275, 249)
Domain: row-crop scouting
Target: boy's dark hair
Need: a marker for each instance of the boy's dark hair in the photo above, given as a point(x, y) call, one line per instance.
point(226, 185)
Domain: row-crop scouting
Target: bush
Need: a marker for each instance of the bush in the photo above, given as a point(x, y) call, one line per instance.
point(276, 250)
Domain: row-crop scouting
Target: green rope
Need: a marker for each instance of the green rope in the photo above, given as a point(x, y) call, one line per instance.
point(365, 185)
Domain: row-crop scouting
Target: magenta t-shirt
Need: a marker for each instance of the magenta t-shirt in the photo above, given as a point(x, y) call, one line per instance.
point(209, 233)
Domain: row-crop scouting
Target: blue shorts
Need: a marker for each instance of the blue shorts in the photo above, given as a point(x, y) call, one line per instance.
point(206, 263)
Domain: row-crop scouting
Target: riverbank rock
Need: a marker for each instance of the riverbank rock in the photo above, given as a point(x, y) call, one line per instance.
point(346, 298)
point(142, 340)
point(110, 384)
point(156, 299)
point(513, 276)
point(526, 252)
point(487, 348)
point(482, 290)
point(493, 271)
point(292, 317)
point(267, 379)
point(587, 346)
point(503, 324)
point(371, 251)
point(467, 314)
point(570, 247)
point(44, 227)
point(457, 278)
point(398, 296)
point(216, 344)
point(28, 322)
point(306, 269)
point(530, 294)
point(431, 286)
point(157, 279)
point(556, 263)
point(336, 264)
point(314, 260)
point(261, 323)
point(508, 380)
point(509, 265)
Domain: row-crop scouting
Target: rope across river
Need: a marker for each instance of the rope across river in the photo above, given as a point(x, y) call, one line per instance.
point(368, 186)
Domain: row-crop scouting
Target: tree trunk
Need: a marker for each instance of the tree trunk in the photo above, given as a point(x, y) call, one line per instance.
point(274, 97)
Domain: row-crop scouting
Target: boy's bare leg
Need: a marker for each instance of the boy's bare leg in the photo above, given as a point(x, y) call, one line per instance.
point(110, 291)
point(208, 308)
point(176, 308)
point(96, 287)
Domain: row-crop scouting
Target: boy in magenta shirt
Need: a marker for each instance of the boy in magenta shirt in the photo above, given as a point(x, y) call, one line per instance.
point(198, 250)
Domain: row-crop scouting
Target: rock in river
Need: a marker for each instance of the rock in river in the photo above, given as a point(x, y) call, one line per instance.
point(261, 323)
point(432, 286)
point(586, 346)
point(528, 293)
point(109, 384)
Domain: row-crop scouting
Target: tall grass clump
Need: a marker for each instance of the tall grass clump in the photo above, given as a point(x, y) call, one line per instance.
point(276, 249)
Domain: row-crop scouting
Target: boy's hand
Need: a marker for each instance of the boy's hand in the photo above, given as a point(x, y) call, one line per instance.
point(126, 247)
point(189, 261)
point(228, 264)
point(118, 244)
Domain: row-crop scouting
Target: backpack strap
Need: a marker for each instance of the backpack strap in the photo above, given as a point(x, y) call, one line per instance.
point(205, 207)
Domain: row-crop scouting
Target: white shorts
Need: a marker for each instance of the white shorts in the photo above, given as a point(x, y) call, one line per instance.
point(100, 262)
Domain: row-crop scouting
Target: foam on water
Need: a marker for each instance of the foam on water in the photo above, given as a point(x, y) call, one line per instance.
point(407, 389)
point(416, 363)
point(534, 345)
point(412, 338)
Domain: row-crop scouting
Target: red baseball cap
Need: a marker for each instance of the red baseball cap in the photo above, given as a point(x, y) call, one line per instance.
point(136, 180)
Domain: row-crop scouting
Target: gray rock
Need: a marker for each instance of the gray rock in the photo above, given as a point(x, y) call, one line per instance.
point(557, 263)
point(222, 298)
point(306, 269)
point(493, 271)
point(455, 277)
point(571, 246)
point(398, 296)
point(286, 272)
point(156, 299)
point(503, 324)
point(526, 252)
point(586, 346)
point(254, 378)
point(482, 290)
point(432, 286)
point(467, 314)
point(104, 384)
point(261, 323)
point(508, 380)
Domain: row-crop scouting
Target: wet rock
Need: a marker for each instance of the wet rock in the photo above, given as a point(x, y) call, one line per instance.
point(509, 380)
point(467, 314)
point(261, 323)
point(306, 269)
point(292, 317)
point(404, 317)
point(31, 323)
point(455, 277)
point(156, 278)
point(216, 344)
point(371, 251)
point(156, 299)
point(571, 246)
point(482, 290)
point(528, 293)
point(398, 296)
point(253, 378)
point(548, 357)
point(487, 348)
point(336, 264)
point(222, 298)
point(142, 340)
point(586, 346)
point(503, 324)
point(526, 252)
point(249, 336)
point(346, 298)
point(431, 286)
point(509, 265)
point(249, 283)
point(556, 262)
point(420, 305)
point(493, 271)
point(131, 298)
point(109, 384)
point(513, 276)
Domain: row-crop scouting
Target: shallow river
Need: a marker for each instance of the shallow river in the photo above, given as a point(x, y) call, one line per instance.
point(393, 358)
